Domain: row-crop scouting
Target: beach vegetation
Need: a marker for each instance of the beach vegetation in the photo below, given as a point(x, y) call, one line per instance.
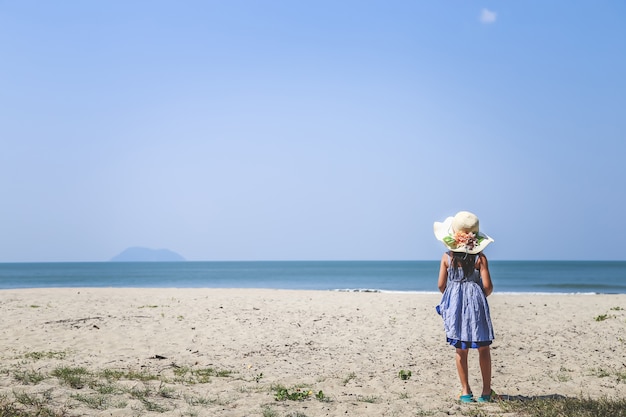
point(181, 371)
point(112, 374)
point(153, 406)
point(320, 396)
point(45, 355)
point(475, 412)
point(37, 400)
point(349, 378)
point(563, 375)
point(97, 402)
point(571, 407)
point(106, 388)
point(167, 392)
point(600, 372)
point(617, 308)
point(100, 390)
point(199, 400)
point(296, 394)
point(140, 376)
point(28, 377)
point(267, 411)
point(603, 373)
point(199, 376)
point(372, 399)
point(202, 376)
point(74, 377)
point(140, 393)
point(404, 375)
point(601, 317)
point(11, 410)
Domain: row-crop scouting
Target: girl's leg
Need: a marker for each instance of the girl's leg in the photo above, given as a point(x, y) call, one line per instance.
point(461, 367)
point(484, 357)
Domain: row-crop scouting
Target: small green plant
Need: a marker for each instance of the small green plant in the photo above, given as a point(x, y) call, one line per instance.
point(45, 355)
point(29, 377)
point(74, 377)
point(404, 375)
point(258, 377)
point(617, 308)
point(282, 394)
point(112, 374)
point(181, 371)
point(140, 394)
point(106, 388)
point(600, 373)
point(223, 373)
point(269, 412)
point(349, 378)
point(36, 400)
point(601, 317)
point(97, 402)
point(372, 399)
point(563, 375)
point(203, 376)
point(10, 410)
point(167, 392)
point(140, 376)
point(193, 401)
point(152, 406)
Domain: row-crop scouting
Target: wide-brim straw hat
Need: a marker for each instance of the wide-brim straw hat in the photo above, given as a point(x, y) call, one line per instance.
point(461, 233)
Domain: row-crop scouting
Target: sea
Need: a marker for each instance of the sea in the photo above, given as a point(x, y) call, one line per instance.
point(564, 277)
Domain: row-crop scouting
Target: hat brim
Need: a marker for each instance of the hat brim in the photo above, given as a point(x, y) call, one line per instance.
point(444, 229)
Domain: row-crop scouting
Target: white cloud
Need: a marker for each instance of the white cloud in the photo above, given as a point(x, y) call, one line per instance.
point(487, 16)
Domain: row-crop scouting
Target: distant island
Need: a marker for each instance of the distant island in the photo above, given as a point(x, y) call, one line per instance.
point(138, 254)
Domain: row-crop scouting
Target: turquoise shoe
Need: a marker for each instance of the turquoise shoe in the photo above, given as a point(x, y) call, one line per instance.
point(467, 398)
point(488, 398)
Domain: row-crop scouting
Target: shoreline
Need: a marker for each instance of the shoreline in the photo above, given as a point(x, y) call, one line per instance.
point(339, 290)
point(535, 277)
point(351, 346)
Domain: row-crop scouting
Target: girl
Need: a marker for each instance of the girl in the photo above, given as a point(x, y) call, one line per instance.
point(465, 283)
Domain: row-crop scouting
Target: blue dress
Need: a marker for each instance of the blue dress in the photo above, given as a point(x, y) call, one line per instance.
point(464, 309)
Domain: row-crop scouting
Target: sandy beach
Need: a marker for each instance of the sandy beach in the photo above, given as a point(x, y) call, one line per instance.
point(216, 352)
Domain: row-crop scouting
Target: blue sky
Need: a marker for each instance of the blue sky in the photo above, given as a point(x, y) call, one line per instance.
point(306, 130)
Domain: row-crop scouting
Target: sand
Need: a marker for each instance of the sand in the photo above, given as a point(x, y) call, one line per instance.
point(227, 352)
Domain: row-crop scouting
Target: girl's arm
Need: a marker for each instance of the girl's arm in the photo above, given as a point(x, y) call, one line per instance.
point(443, 273)
point(483, 265)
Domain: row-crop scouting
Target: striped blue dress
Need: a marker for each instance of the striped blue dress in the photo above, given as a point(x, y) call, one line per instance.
point(465, 311)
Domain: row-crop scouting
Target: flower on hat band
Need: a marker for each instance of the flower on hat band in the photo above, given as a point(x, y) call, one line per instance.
point(467, 240)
